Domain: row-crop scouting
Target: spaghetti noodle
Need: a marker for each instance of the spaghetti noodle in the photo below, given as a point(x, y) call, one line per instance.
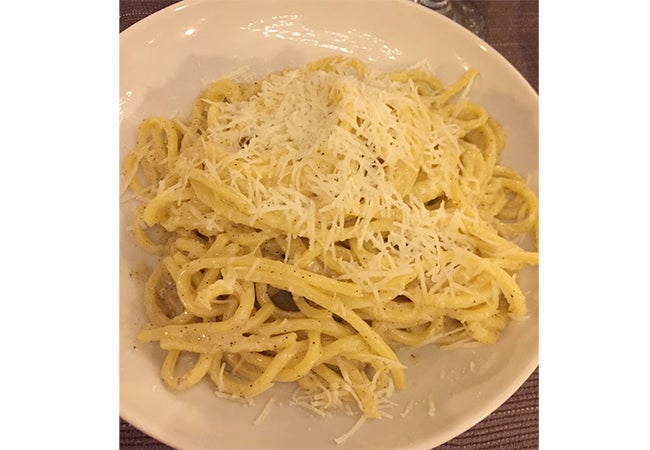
point(309, 223)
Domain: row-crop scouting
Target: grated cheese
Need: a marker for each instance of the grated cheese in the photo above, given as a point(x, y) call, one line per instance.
point(334, 146)
point(265, 412)
point(408, 408)
point(432, 407)
point(359, 423)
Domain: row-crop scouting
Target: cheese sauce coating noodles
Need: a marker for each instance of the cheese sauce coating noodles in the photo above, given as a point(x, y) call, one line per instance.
point(312, 222)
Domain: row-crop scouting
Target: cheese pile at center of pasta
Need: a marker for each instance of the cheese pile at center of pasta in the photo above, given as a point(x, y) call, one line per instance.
point(332, 157)
point(313, 221)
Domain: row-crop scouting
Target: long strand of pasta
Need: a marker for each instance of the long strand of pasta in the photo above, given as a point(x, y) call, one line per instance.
point(310, 222)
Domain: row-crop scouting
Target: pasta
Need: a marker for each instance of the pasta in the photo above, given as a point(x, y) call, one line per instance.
point(310, 223)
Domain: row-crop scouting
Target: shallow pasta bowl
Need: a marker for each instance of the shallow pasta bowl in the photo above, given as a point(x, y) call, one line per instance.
point(165, 60)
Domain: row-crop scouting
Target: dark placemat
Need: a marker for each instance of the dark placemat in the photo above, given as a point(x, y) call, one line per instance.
point(511, 28)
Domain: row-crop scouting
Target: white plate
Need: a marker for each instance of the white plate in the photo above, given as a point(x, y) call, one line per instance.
point(165, 60)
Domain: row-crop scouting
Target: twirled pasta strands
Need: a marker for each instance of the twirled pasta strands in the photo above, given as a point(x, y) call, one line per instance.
point(312, 222)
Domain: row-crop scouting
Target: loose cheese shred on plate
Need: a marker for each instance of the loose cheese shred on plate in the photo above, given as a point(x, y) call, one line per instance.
point(408, 408)
point(432, 407)
point(265, 411)
point(358, 424)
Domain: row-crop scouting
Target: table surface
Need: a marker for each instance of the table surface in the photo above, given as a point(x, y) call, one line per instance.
point(511, 28)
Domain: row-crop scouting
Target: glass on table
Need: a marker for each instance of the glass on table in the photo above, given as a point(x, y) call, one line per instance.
point(462, 12)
